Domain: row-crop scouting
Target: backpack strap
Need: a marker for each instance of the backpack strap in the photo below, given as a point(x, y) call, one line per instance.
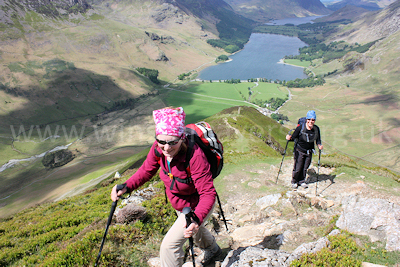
point(189, 179)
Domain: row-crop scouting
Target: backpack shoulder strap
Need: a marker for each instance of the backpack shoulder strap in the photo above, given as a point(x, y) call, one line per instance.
point(303, 125)
point(189, 154)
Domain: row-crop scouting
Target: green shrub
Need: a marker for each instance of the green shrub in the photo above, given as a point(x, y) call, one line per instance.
point(149, 73)
point(222, 58)
point(231, 48)
point(341, 252)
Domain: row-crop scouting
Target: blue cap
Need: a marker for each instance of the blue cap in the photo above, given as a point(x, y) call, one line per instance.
point(311, 115)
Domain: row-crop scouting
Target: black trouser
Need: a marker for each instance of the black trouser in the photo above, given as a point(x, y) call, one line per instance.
point(302, 161)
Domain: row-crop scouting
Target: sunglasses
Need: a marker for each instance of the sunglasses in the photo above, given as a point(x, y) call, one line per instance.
point(311, 119)
point(171, 143)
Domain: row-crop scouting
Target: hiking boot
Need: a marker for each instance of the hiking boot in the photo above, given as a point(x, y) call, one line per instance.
point(210, 254)
point(294, 186)
point(304, 185)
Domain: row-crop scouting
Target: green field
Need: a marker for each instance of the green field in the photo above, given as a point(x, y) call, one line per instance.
point(262, 91)
point(201, 100)
point(297, 62)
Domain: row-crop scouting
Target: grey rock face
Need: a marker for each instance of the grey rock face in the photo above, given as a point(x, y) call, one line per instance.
point(377, 218)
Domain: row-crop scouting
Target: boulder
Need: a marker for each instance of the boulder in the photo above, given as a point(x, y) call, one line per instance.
point(57, 158)
point(377, 218)
point(131, 213)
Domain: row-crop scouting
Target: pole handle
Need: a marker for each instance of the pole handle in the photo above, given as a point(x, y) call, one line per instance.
point(188, 215)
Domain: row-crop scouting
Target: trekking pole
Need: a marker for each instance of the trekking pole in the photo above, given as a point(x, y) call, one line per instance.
point(284, 153)
point(188, 215)
point(222, 213)
point(113, 206)
point(319, 161)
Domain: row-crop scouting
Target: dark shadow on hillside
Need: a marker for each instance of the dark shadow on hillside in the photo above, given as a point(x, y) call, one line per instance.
point(33, 183)
point(386, 100)
point(271, 242)
point(21, 181)
point(66, 96)
point(395, 122)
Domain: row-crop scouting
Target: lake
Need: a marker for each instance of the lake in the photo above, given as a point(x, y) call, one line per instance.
point(260, 57)
point(294, 21)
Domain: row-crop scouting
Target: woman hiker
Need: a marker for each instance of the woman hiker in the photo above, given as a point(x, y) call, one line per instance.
point(307, 133)
point(169, 152)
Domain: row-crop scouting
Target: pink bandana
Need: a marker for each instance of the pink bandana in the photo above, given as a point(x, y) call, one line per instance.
point(170, 121)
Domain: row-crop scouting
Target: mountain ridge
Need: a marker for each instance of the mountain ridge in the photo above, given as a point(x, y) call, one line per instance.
point(371, 5)
point(265, 10)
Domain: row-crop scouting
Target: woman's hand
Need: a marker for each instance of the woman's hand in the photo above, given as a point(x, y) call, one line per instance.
point(191, 230)
point(115, 195)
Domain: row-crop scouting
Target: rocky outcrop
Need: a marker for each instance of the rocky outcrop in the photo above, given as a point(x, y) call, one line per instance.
point(131, 213)
point(377, 218)
point(162, 39)
point(257, 256)
point(168, 12)
point(57, 158)
point(57, 7)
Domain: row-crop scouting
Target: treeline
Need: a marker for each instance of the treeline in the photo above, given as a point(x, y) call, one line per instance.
point(311, 81)
point(329, 52)
point(314, 34)
point(221, 58)
point(234, 31)
point(279, 117)
point(272, 103)
point(183, 75)
point(226, 45)
point(310, 33)
point(149, 73)
point(232, 81)
point(275, 103)
point(308, 82)
point(129, 103)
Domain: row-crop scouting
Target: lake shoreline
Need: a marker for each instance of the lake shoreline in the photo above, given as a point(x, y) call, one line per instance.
point(259, 58)
point(282, 61)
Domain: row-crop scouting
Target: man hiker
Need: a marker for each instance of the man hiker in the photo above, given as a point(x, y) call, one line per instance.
point(306, 134)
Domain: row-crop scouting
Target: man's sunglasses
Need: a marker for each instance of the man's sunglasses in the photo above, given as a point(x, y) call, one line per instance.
point(171, 143)
point(311, 119)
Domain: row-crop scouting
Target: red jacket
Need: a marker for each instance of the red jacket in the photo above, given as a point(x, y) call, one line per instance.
point(199, 194)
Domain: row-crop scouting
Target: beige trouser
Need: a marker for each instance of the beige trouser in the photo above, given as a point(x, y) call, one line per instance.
point(171, 250)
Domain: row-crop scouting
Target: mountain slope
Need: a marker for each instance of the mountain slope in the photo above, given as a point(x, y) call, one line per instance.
point(261, 212)
point(361, 96)
point(68, 75)
point(350, 13)
point(266, 10)
point(366, 4)
point(372, 26)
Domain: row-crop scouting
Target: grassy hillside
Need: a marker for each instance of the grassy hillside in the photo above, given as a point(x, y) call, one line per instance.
point(357, 108)
point(68, 232)
point(102, 143)
point(70, 80)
